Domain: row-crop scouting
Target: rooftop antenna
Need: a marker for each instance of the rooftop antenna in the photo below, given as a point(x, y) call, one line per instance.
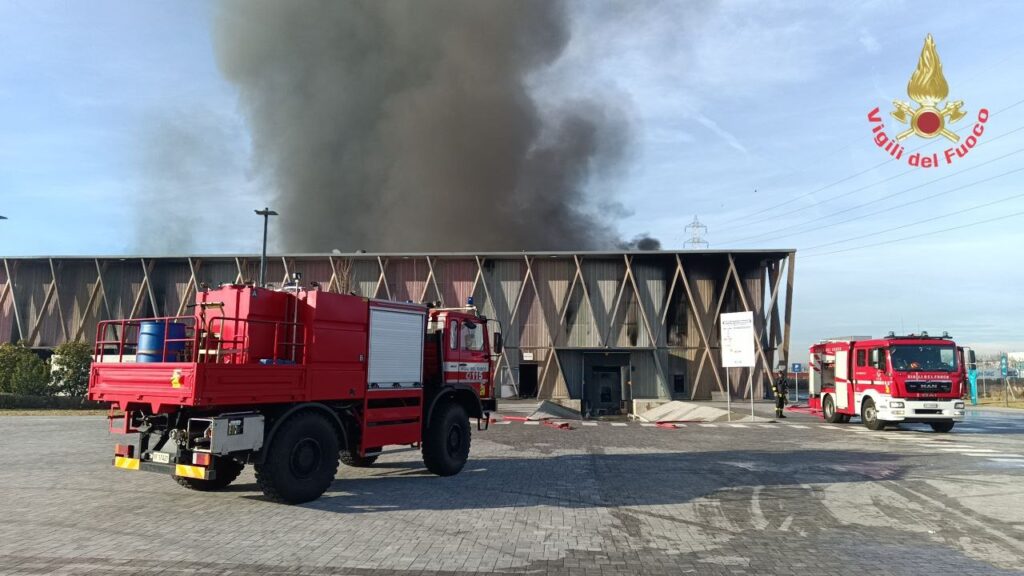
point(697, 232)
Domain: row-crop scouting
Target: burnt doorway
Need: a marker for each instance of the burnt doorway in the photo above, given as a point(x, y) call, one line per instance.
point(603, 394)
point(527, 380)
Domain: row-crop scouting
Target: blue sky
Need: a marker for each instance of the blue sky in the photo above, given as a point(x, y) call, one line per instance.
point(750, 115)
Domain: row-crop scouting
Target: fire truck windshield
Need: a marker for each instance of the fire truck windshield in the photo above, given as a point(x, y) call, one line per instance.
point(923, 358)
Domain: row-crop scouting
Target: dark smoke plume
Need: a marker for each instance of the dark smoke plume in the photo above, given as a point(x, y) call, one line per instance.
point(393, 125)
point(641, 242)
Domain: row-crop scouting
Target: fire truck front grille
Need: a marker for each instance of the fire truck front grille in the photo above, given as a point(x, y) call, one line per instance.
point(929, 386)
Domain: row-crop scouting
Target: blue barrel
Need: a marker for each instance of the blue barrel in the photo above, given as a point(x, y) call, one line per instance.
point(152, 338)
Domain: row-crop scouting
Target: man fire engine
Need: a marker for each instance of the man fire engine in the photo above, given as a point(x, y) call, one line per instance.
point(292, 381)
point(915, 378)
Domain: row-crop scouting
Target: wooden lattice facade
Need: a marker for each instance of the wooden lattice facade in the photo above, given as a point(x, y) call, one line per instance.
point(567, 318)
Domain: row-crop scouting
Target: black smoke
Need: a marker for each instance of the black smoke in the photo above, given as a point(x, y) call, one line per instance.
point(392, 125)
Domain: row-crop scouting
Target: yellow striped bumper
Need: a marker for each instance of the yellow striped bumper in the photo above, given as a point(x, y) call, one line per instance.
point(190, 471)
point(126, 463)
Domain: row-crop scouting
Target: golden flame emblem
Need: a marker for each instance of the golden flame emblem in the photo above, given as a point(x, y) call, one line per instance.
point(928, 88)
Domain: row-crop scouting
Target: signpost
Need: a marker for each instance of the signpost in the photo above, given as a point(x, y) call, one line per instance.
point(737, 350)
point(1004, 370)
point(796, 369)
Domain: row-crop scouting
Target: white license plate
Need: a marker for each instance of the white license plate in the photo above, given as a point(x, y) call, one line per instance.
point(930, 405)
point(161, 457)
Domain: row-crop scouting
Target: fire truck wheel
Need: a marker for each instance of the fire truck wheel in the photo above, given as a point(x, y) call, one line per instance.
point(301, 461)
point(942, 426)
point(355, 460)
point(828, 409)
point(869, 415)
point(844, 418)
point(226, 471)
point(446, 443)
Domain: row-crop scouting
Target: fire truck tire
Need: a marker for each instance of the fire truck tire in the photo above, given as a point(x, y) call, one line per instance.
point(942, 426)
point(828, 410)
point(869, 415)
point(301, 461)
point(446, 443)
point(844, 418)
point(355, 460)
point(226, 471)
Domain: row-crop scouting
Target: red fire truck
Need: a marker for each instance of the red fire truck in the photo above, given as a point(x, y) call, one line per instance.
point(292, 381)
point(915, 378)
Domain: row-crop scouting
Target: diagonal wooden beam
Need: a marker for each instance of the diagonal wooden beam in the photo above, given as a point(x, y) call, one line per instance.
point(668, 299)
point(746, 308)
point(615, 309)
point(522, 290)
point(33, 330)
point(103, 288)
point(87, 310)
point(586, 297)
point(647, 323)
point(149, 285)
point(382, 279)
point(192, 284)
point(56, 297)
point(332, 283)
point(789, 307)
point(772, 311)
point(700, 325)
point(14, 299)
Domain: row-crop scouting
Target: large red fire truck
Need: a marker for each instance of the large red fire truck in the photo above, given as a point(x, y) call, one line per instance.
point(915, 378)
point(292, 381)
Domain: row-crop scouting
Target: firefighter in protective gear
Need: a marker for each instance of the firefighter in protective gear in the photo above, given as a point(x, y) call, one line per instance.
point(780, 388)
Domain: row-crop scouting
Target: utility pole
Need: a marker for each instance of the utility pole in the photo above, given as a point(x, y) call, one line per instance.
point(697, 232)
point(266, 213)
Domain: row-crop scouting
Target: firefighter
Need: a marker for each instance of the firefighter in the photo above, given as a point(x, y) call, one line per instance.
point(779, 388)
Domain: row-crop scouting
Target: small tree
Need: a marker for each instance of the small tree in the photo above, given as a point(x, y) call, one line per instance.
point(22, 372)
point(69, 370)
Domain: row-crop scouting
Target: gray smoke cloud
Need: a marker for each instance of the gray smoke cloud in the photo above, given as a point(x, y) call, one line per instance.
point(391, 125)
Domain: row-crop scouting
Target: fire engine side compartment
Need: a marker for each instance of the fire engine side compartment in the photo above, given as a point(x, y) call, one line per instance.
point(336, 356)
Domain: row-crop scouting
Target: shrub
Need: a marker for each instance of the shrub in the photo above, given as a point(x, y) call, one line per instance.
point(69, 368)
point(22, 372)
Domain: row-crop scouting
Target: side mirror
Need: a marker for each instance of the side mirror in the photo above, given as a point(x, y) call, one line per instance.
point(498, 343)
point(972, 363)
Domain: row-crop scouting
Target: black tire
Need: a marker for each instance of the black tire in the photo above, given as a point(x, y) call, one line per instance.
point(844, 418)
point(828, 410)
point(446, 442)
point(869, 415)
point(301, 461)
point(226, 471)
point(355, 460)
point(942, 426)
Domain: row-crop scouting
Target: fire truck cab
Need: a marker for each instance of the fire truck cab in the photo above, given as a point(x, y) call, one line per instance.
point(914, 378)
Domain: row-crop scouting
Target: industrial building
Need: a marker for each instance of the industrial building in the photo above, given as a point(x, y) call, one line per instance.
point(600, 331)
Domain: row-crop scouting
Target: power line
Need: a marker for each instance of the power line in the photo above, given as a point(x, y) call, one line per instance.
point(915, 236)
point(809, 225)
point(926, 220)
point(848, 178)
point(919, 200)
point(873, 184)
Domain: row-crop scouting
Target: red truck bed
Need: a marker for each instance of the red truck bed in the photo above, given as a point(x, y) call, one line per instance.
point(243, 346)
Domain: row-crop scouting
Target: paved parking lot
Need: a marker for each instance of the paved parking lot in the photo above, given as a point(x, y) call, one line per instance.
point(799, 497)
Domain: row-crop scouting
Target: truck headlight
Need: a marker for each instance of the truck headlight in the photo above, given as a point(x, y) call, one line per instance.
point(895, 404)
point(958, 406)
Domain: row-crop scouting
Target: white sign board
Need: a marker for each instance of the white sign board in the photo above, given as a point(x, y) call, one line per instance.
point(738, 340)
